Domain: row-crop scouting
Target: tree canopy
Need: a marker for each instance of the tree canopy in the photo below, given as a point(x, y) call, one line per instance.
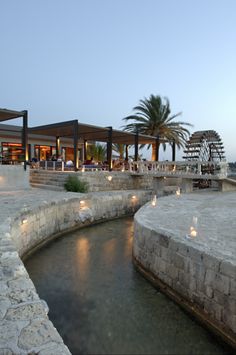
point(153, 117)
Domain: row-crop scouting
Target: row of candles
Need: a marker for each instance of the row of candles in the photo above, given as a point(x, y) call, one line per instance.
point(193, 228)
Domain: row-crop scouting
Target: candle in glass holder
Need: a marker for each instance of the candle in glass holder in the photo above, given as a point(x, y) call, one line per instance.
point(154, 201)
point(177, 192)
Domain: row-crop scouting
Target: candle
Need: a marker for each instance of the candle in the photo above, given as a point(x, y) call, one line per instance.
point(177, 192)
point(154, 201)
point(193, 232)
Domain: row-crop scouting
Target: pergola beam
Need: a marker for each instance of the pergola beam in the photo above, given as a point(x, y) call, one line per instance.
point(6, 115)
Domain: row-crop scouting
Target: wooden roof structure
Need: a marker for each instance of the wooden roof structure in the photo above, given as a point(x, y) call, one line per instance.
point(6, 115)
point(90, 133)
point(76, 130)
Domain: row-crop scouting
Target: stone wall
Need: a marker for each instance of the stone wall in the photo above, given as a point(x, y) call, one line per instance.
point(13, 177)
point(227, 185)
point(96, 180)
point(24, 324)
point(194, 276)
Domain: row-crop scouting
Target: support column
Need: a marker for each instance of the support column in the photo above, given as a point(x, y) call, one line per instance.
point(85, 150)
point(76, 160)
point(173, 150)
point(57, 147)
point(109, 149)
point(136, 147)
point(25, 138)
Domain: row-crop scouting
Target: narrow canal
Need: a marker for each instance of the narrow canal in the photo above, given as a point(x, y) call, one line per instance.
point(101, 305)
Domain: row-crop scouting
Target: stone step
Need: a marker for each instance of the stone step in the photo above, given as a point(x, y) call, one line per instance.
point(48, 187)
point(49, 176)
point(41, 180)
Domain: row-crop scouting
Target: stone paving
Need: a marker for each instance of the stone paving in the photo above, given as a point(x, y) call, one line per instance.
point(27, 219)
point(216, 220)
point(24, 325)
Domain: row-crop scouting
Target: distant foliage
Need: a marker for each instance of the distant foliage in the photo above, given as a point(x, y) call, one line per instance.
point(97, 151)
point(75, 185)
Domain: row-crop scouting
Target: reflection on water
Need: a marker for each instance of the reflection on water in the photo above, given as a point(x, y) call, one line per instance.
point(101, 305)
point(82, 259)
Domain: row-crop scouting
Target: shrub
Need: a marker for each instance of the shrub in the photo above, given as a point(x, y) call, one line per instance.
point(75, 185)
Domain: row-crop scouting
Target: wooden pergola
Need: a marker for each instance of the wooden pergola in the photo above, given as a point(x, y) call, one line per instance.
point(76, 130)
point(6, 115)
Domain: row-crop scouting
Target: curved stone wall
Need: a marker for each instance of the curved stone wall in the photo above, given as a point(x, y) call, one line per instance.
point(24, 324)
point(199, 273)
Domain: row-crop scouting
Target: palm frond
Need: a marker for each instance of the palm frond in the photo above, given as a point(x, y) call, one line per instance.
point(153, 117)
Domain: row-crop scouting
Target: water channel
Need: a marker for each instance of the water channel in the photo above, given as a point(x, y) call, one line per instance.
point(100, 304)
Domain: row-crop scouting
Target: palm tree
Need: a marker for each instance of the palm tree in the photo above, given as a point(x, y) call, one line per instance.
point(97, 151)
point(119, 148)
point(153, 117)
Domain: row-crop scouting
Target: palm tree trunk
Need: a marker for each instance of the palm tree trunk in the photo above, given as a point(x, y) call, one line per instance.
point(155, 151)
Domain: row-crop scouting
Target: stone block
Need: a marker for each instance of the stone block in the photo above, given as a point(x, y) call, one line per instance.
point(211, 262)
point(178, 261)
point(195, 255)
point(164, 253)
point(210, 277)
point(53, 348)
point(26, 312)
point(228, 269)
point(172, 271)
point(163, 240)
point(233, 288)
point(184, 279)
point(8, 333)
point(220, 298)
point(222, 283)
point(209, 292)
point(192, 285)
point(38, 333)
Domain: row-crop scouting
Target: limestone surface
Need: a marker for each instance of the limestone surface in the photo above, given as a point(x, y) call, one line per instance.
point(199, 266)
point(29, 218)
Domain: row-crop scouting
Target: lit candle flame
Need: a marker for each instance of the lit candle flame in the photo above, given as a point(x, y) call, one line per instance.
point(193, 232)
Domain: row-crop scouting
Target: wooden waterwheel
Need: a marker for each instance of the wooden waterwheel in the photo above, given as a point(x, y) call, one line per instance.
point(205, 146)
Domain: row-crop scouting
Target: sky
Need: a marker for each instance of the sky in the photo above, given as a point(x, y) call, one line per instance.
point(94, 60)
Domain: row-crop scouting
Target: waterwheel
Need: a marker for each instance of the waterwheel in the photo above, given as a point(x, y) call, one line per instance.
point(205, 146)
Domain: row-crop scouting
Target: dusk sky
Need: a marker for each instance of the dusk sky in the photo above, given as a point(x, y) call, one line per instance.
point(93, 60)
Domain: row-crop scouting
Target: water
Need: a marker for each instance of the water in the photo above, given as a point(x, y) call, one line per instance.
point(100, 304)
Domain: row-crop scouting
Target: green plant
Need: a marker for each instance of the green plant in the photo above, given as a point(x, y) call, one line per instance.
point(75, 185)
point(97, 151)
